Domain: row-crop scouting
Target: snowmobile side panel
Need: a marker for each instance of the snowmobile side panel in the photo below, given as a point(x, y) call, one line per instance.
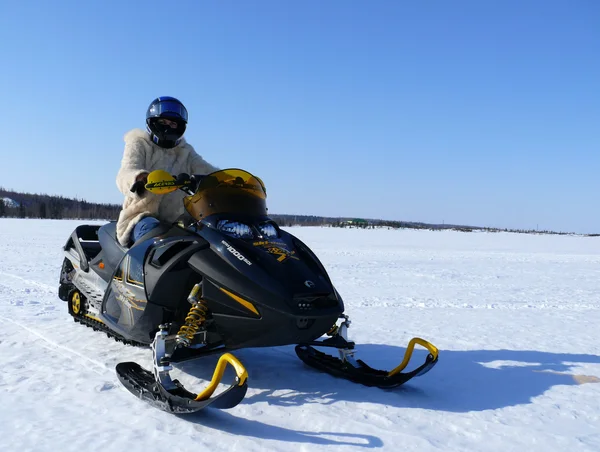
point(112, 249)
point(149, 285)
point(86, 233)
point(125, 308)
point(168, 278)
point(99, 266)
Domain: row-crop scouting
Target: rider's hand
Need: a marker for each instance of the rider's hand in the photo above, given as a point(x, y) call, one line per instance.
point(139, 185)
point(183, 177)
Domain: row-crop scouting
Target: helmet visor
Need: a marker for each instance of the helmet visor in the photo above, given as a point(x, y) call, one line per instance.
point(168, 109)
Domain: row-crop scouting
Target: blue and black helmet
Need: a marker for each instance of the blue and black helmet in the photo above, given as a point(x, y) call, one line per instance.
point(166, 120)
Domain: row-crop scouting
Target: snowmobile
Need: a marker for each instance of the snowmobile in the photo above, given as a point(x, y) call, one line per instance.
point(223, 277)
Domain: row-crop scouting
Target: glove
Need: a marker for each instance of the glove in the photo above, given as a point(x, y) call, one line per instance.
point(183, 178)
point(138, 187)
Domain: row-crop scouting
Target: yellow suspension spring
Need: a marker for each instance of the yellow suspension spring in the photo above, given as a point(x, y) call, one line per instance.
point(195, 317)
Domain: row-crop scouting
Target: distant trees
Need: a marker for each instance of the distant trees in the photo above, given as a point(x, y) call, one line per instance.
point(28, 205)
point(43, 213)
point(301, 220)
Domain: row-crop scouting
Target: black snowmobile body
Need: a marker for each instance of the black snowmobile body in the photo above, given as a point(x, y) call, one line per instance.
point(223, 277)
point(260, 293)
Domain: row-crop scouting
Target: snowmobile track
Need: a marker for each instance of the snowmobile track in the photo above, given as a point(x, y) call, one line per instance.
point(96, 325)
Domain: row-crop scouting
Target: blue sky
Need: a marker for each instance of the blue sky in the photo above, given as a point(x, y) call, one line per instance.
point(469, 112)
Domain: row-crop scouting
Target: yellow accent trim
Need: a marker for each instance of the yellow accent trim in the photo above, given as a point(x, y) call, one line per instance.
point(225, 359)
point(76, 303)
point(241, 301)
point(133, 282)
point(93, 318)
point(409, 350)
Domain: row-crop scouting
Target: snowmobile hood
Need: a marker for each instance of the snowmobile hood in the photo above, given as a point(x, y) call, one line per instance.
point(283, 267)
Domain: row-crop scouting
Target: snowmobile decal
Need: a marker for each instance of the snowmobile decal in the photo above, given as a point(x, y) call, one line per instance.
point(127, 298)
point(264, 243)
point(282, 254)
point(278, 249)
point(235, 252)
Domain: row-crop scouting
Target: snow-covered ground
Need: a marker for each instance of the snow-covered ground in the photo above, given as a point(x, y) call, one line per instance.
point(516, 319)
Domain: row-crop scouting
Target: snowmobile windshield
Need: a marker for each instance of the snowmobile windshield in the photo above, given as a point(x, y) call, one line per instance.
point(228, 191)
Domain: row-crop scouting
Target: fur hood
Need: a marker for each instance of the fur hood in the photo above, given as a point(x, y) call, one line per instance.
point(142, 155)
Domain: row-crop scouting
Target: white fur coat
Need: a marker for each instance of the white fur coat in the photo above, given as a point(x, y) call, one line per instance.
point(142, 155)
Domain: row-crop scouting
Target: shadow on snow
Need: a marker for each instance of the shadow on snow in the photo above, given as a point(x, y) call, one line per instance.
point(226, 422)
point(462, 381)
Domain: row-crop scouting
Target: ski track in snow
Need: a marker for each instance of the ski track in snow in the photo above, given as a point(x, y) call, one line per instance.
point(515, 318)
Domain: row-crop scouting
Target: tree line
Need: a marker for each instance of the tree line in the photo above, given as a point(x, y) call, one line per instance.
point(26, 205)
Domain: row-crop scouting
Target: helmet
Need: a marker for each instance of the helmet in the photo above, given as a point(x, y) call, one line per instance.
point(166, 120)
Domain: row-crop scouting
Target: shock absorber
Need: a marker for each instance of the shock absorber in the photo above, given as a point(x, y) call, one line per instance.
point(194, 319)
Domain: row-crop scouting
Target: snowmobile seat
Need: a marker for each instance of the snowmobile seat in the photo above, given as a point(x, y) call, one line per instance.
point(112, 250)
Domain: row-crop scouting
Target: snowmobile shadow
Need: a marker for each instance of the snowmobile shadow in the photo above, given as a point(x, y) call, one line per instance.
point(228, 423)
point(477, 380)
point(462, 381)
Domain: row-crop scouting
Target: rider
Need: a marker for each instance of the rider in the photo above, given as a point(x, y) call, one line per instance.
point(162, 146)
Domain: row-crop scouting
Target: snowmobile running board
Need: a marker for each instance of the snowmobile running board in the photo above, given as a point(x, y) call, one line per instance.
point(160, 391)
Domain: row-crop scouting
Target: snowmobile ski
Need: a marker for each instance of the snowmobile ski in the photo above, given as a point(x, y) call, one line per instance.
point(357, 370)
point(157, 388)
